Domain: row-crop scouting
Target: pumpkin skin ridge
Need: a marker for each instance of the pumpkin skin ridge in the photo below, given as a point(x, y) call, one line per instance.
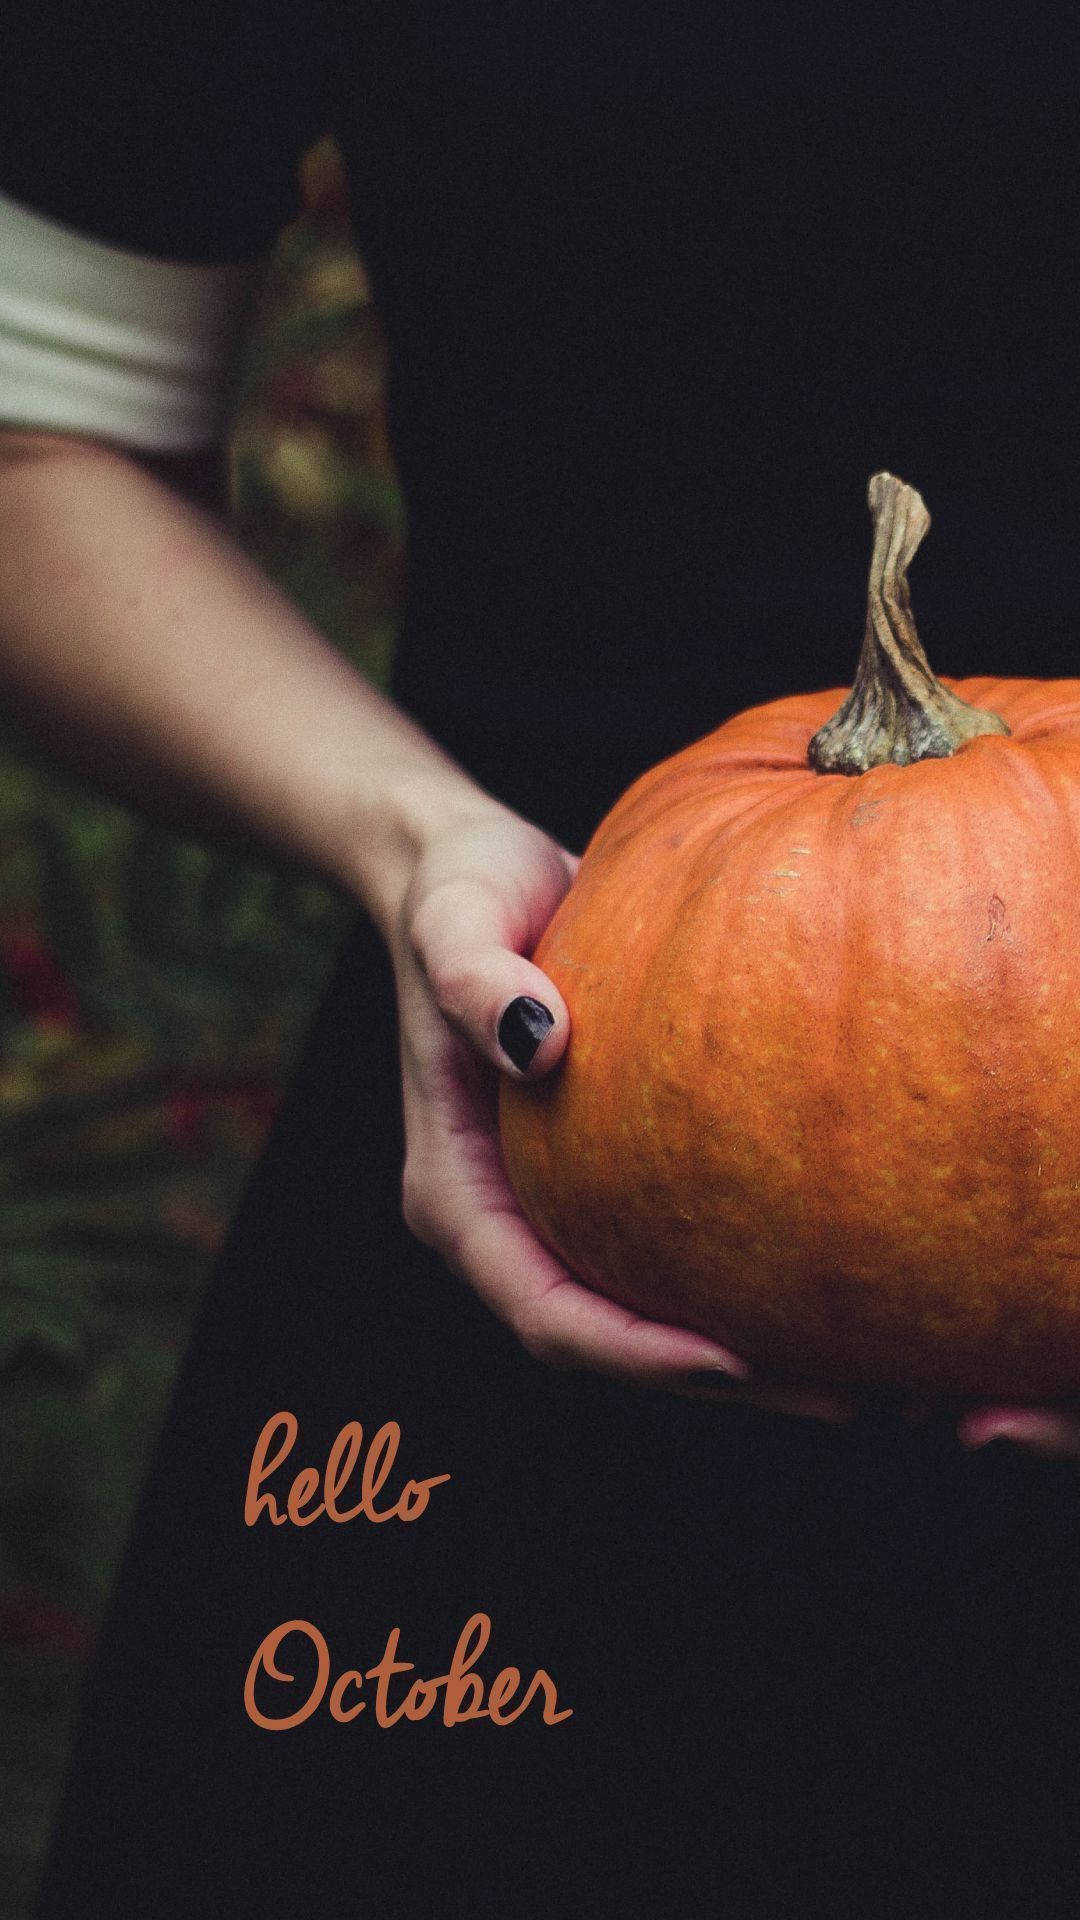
point(711, 758)
point(1015, 760)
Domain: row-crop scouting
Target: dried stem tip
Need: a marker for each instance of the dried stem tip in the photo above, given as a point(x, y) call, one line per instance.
point(896, 711)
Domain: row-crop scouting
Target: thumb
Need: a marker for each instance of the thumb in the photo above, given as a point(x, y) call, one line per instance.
point(463, 938)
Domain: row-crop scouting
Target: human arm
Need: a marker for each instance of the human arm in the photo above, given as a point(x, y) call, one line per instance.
point(141, 648)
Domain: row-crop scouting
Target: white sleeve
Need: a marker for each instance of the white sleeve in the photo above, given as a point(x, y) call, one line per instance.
point(116, 345)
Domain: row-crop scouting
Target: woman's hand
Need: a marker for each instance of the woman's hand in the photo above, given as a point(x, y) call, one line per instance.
point(471, 1007)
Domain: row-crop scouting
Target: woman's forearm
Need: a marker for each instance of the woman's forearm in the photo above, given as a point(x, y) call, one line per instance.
point(141, 648)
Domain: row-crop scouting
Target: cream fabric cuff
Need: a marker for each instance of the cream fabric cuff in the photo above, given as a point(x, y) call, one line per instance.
point(95, 340)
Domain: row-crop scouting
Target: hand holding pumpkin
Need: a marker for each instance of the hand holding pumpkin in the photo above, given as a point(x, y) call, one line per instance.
point(481, 894)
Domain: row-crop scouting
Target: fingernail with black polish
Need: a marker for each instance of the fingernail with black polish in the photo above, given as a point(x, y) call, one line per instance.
point(523, 1026)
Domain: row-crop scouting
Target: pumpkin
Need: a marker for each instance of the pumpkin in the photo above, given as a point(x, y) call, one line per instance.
point(820, 1099)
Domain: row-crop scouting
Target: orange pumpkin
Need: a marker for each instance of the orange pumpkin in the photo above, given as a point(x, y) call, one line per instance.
point(822, 1094)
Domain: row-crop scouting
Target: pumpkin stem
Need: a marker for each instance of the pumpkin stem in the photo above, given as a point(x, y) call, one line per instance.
point(896, 709)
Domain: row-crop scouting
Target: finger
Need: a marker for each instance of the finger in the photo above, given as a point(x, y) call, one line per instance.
point(565, 1324)
point(1042, 1430)
point(459, 1201)
point(466, 937)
